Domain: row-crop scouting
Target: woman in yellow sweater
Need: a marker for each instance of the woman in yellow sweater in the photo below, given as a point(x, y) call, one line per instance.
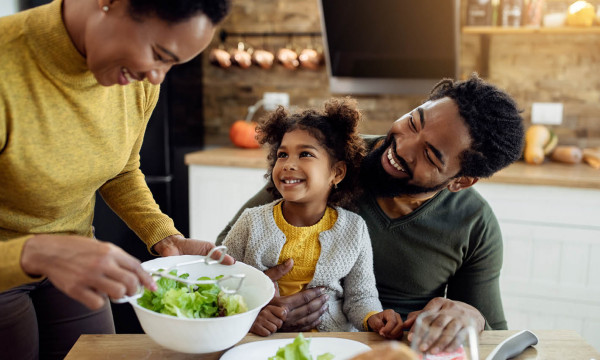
point(79, 82)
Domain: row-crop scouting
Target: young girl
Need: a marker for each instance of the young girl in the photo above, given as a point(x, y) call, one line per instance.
point(314, 160)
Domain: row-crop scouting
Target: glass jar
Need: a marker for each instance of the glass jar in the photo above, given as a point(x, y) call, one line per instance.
point(511, 13)
point(479, 13)
point(555, 13)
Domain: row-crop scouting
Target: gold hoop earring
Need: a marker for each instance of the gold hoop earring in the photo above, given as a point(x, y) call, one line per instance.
point(105, 8)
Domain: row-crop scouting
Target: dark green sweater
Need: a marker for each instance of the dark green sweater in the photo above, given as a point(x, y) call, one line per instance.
point(450, 246)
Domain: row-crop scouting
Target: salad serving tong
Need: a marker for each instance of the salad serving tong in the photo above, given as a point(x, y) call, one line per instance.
point(235, 280)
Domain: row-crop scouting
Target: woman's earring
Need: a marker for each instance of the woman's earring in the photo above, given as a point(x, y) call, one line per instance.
point(105, 8)
point(335, 185)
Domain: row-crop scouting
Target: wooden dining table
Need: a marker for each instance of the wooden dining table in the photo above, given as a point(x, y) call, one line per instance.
point(553, 344)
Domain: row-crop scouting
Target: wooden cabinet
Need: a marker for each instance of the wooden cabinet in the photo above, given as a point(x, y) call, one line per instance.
point(216, 194)
point(551, 272)
point(221, 180)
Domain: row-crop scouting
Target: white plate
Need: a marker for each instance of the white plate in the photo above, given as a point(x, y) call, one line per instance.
point(342, 349)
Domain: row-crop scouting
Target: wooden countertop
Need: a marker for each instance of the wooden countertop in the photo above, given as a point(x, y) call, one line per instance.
point(553, 344)
point(549, 173)
point(229, 156)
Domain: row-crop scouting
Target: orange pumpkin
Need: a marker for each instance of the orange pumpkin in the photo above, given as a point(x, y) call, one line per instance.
point(243, 134)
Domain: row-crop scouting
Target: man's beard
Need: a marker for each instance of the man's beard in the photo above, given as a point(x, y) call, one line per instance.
point(375, 180)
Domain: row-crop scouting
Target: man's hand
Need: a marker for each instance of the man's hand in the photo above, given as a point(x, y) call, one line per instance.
point(303, 309)
point(269, 320)
point(179, 245)
point(83, 268)
point(451, 317)
point(299, 312)
point(387, 323)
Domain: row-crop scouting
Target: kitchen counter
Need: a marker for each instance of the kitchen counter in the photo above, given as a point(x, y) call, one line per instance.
point(229, 156)
point(549, 173)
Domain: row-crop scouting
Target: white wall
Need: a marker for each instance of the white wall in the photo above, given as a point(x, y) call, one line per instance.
point(8, 7)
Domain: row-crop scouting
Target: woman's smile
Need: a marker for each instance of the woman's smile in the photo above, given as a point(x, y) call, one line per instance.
point(125, 76)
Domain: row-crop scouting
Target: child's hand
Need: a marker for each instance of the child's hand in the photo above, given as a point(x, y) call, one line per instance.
point(269, 320)
point(387, 323)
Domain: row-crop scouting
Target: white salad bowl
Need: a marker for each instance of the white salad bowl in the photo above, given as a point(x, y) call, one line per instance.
point(206, 335)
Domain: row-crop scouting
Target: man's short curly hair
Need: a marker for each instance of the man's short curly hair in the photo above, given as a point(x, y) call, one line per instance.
point(174, 11)
point(336, 130)
point(494, 122)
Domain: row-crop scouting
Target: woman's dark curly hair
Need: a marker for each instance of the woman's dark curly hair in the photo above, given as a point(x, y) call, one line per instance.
point(174, 11)
point(494, 123)
point(336, 130)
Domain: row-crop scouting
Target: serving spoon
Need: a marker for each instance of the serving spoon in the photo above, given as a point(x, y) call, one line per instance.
point(237, 279)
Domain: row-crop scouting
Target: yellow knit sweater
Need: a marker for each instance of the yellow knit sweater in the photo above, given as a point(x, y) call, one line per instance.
point(62, 137)
point(302, 244)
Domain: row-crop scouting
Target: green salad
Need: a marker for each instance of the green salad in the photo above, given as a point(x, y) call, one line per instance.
point(298, 350)
point(200, 301)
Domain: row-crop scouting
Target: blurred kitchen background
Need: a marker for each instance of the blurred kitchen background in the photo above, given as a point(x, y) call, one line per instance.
point(551, 227)
point(551, 276)
point(560, 66)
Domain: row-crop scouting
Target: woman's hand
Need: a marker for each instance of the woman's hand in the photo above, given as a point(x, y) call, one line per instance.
point(452, 317)
point(179, 245)
point(83, 268)
point(387, 323)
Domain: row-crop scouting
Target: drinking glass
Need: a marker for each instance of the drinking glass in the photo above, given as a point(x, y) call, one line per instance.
point(467, 339)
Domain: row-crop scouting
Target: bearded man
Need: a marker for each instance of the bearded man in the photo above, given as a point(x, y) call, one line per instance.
point(437, 245)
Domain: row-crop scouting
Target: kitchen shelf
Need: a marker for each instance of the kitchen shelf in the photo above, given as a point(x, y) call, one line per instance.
point(498, 30)
point(486, 32)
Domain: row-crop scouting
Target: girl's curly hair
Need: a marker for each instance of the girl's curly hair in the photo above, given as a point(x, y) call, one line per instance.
point(336, 130)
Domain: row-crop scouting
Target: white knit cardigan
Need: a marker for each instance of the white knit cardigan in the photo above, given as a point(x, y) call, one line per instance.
point(344, 268)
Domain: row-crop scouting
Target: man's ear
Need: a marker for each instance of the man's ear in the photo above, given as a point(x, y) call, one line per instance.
point(462, 182)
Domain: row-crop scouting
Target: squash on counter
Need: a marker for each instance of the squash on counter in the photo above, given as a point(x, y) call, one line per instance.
point(591, 156)
point(581, 13)
point(567, 154)
point(243, 134)
point(539, 142)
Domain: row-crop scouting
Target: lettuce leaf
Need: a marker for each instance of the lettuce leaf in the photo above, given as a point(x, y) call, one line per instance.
point(181, 300)
point(298, 350)
point(326, 356)
point(232, 304)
